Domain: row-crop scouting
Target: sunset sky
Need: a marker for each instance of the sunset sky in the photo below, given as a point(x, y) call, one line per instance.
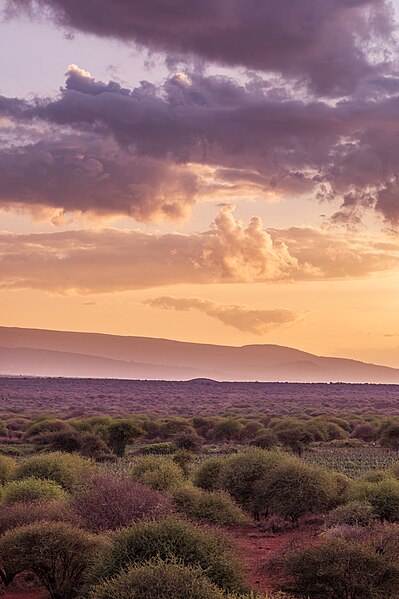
point(223, 171)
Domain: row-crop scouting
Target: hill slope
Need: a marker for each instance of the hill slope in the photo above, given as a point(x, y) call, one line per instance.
point(58, 353)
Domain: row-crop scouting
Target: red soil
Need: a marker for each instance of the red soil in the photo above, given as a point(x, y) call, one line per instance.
point(257, 548)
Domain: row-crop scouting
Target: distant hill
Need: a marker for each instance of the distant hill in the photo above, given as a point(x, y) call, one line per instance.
point(38, 352)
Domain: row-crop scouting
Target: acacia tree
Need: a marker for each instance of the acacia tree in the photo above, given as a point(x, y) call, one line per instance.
point(120, 433)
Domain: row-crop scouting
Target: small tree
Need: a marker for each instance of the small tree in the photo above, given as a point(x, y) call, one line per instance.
point(120, 433)
point(60, 555)
point(390, 437)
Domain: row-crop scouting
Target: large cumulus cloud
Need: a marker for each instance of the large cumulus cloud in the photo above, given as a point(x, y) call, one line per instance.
point(109, 260)
point(326, 42)
point(140, 151)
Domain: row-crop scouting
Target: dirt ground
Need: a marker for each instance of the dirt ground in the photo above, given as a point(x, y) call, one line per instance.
point(257, 548)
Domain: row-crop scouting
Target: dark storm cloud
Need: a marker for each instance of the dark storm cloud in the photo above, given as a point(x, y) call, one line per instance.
point(322, 41)
point(148, 146)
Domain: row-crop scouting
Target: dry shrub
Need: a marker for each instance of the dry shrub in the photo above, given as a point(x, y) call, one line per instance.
point(109, 501)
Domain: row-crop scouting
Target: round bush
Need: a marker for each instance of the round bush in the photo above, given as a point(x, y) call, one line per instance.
point(31, 489)
point(173, 538)
point(208, 475)
point(109, 502)
point(158, 473)
point(382, 495)
point(354, 513)
point(60, 555)
point(47, 425)
point(159, 580)
point(7, 469)
point(213, 507)
point(242, 472)
point(63, 468)
point(21, 514)
point(337, 569)
point(294, 489)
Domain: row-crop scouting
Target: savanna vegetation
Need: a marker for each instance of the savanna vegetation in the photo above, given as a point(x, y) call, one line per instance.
point(98, 505)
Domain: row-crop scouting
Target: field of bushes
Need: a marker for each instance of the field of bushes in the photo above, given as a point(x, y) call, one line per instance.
point(227, 505)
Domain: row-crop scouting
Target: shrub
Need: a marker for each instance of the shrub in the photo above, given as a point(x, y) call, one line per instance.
point(383, 496)
point(7, 469)
point(293, 489)
point(208, 475)
point(266, 440)
point(159, 580)
point(47, 425)
point(390, 437)
point(60, 555)
point(120, 433)
point(20, 514)
point(228, 430)
point(365, 432)
point(87, 444)
point(337, 569)
point(3, 429)
point(213, 507)
point(295, 439)
point(241, 473)
point(190, 441)
point(165, 448)
point(173, 538)
point(31, 489)
point(65, 469)
point(157, 472)
point(109, 502)
point(354, 513)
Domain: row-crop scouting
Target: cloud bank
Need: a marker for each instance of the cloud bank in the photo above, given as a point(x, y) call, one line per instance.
point(332, 44)
point(243, 318)
point(111, 260)
point(152, 152)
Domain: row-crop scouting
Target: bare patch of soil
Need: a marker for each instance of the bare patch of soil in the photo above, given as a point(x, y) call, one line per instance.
point(256, 548)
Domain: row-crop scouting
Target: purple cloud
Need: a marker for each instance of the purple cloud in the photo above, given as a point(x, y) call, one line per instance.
point(325, 42)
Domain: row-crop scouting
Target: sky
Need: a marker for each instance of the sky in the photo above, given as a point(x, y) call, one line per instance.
point(220, 172)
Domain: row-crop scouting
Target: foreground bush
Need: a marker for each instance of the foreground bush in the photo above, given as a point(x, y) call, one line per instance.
point(354, 513)
point(109, 502)
point(159, 580)
point(209, 475)
point(382, 495)
point(31, 489)
point(63, 468)
point(60, 555)
point(158, 473)
point(294, 489)
point(7, 468)
point(20, 514)
point(241, 473)
point(213, 507)
point(183, 541)
point(339, 570)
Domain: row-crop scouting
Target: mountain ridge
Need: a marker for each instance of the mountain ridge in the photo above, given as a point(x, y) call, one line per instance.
point(57, 353)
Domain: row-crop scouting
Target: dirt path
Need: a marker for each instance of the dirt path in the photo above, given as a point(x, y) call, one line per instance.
point(256, 548)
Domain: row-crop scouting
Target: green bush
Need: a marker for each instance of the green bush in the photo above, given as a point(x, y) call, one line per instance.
point(294, 489)
point(338, 570)
point(213, 507)
point(46, 425)
point(266, 440)
point(31, 489)
point(173, 538)
point(354, 513)
point(241, 473)
point(165, 448)
point(159, 580)
point(7, 469)
point(21, 514)
point(208, 475)
point(63, 468)
point(382, 495)
point(158, 473)
point(60, 555)
point(120, 433)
